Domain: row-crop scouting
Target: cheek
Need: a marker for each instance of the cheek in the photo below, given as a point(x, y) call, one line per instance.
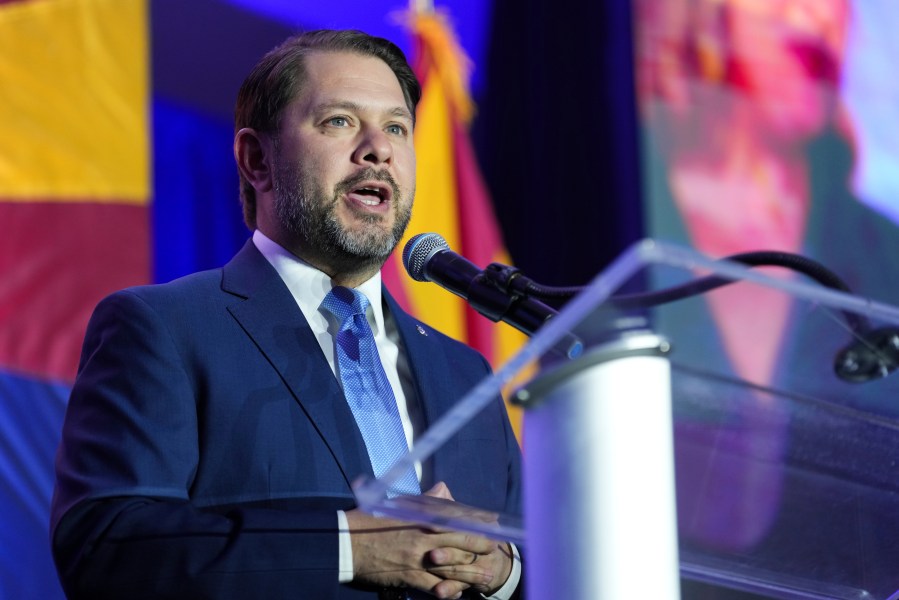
point(323, 157)
point(404, 167)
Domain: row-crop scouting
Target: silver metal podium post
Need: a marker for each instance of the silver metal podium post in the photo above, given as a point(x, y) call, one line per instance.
point(599, 476)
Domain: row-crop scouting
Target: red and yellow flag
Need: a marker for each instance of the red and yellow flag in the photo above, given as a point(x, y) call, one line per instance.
point(74, 172)
point(451, 197)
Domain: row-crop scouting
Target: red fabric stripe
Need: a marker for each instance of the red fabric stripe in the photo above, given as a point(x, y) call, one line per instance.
point(481, 240)
point(57, 260)
point(396, 282)
point(422, 62)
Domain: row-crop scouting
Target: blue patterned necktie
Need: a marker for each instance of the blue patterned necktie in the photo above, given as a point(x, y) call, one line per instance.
point(366, 387)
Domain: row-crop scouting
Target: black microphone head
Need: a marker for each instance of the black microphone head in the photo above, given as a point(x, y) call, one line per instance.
point(419, 250)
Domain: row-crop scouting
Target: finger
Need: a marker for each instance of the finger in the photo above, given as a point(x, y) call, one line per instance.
point(484, 572)
point(459, 565)
point(467, 542)
point(426, 581)
point(449, 588)
point(440, 490)
point(451, 556)
point(475, 575)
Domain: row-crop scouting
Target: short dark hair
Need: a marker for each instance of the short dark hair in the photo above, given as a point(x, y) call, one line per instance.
point(278, 78)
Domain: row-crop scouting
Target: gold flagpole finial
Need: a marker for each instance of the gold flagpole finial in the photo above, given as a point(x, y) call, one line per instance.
point(421, 7)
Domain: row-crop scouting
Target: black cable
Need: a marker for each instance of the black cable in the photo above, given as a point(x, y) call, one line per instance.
point(765, 258)
point(872, 354)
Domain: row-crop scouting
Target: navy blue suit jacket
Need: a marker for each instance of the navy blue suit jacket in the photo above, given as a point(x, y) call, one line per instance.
point(207, 445)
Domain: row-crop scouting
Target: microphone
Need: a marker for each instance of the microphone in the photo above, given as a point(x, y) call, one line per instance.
point(427, 257)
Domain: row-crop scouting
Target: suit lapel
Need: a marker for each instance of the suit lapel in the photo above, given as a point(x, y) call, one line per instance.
point(436, 394)
point(267, 312)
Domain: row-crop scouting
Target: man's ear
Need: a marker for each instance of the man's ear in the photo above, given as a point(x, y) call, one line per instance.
point(252, 151)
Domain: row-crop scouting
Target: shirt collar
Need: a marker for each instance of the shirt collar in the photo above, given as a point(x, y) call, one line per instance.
point(309, 286)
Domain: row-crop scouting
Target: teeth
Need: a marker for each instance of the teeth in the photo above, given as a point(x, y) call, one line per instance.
point(370, 196)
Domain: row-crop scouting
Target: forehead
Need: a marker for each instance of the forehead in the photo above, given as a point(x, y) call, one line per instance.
point(333, 77)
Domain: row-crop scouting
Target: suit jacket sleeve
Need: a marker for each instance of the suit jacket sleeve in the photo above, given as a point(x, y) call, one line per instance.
point(123, 524)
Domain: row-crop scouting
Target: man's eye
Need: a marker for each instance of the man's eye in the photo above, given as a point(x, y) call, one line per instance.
point(338, 121)
point(396, 130)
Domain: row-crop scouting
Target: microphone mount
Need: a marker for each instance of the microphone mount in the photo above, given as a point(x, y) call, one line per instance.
point(491, 294)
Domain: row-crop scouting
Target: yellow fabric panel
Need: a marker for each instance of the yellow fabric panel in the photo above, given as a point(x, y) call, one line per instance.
point(435, 205)
point(509, 341)
point(74, 101)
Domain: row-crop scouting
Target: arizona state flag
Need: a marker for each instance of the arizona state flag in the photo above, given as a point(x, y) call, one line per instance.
point(451, 197)
point(74, 195)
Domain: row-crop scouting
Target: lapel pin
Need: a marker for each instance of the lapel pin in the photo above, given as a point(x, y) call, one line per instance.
point(421, 330)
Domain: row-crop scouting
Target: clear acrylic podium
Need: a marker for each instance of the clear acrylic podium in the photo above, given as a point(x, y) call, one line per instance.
point(746, 436)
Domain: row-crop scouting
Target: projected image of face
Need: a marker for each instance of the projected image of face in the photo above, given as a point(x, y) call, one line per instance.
point(734, 94)
point(732, 91)
point(785, 56)
point(775, 62)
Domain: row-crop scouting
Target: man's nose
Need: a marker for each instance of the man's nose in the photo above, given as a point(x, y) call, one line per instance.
point(374, 147)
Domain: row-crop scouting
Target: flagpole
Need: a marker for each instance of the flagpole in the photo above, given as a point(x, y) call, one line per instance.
point(421, 7)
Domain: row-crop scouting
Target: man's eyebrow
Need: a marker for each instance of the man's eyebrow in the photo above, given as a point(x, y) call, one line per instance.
point(402, 112)
point(398, 111)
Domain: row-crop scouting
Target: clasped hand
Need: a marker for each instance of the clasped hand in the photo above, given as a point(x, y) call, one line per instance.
point(392, 553)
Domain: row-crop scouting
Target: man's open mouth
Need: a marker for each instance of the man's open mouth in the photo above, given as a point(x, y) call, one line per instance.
point(372, 194)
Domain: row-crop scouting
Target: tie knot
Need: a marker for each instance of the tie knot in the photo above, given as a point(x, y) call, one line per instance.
point(343, 302)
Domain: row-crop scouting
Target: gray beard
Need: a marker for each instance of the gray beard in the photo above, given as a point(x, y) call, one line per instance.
point(304, 211)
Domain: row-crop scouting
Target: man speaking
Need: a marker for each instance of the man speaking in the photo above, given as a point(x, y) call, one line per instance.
point(218, 421)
